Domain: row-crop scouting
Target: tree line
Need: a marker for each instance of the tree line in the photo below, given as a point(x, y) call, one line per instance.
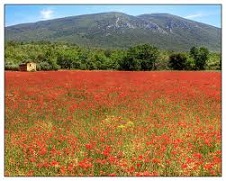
point(144, 57)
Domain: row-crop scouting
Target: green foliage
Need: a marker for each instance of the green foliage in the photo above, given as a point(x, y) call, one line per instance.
point(44, 66)
point(178, 61)
point(115, 58)
point(214, 61)
point(200, 56)
point(129, 63)
point(12, 67)
point(66, 60)
point(190, 64)
point(194, 52)
point(54, 56)
point(141, 57)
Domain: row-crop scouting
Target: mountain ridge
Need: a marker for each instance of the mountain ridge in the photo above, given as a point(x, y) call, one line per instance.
point(119, 30)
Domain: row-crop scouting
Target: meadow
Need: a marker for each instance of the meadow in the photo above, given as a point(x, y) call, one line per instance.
point(113, 123)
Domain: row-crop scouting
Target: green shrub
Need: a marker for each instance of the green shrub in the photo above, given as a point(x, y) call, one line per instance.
point(12, 67)
point(178, 61)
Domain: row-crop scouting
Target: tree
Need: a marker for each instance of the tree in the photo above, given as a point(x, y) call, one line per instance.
point(116, 57)
point(101, 60)
point(178, 61)
point(200, 56)
point(68, 59)
point(141, 57)
point(129, 63)
point(194, 51)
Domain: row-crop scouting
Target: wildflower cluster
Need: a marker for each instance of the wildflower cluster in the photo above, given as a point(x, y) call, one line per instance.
point(83, 123)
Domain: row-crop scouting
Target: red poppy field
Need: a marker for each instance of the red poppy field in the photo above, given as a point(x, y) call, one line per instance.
point(109, 123)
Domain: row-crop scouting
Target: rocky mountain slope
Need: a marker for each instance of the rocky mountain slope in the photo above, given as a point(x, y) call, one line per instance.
point(119, 30)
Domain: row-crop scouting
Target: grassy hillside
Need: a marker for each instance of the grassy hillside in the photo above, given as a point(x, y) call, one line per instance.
point(118, 30)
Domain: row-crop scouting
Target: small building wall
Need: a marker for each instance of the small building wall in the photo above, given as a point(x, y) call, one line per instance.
point(27, 67)
point(23, 67)
point(31, 66)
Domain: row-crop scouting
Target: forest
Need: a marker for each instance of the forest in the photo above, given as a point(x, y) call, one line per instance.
point(142, 57)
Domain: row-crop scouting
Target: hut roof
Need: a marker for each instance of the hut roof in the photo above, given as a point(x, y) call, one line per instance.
point(25, 63)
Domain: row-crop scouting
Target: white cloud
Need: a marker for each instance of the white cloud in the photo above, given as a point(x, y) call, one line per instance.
point(46, 14)
point(196, 15)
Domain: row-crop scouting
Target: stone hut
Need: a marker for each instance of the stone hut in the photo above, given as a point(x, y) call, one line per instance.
point(28, 66)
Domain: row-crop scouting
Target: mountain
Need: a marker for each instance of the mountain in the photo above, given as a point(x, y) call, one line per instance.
point(119, 30)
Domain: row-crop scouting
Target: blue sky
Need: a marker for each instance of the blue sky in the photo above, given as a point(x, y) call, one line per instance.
point(16, 14)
